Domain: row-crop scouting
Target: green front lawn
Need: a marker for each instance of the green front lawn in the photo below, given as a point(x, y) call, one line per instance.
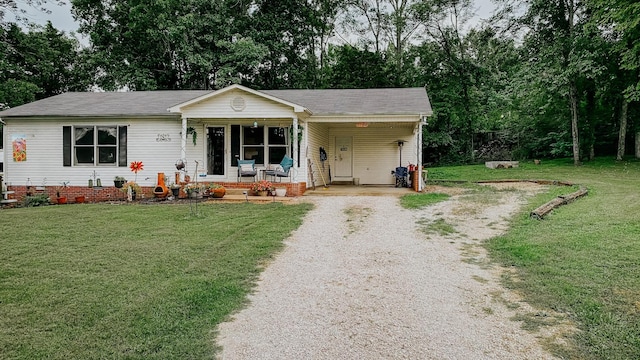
point(130, 281)
point(583, 260)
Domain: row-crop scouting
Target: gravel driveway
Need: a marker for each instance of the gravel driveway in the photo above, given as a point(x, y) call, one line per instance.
point(363, 278)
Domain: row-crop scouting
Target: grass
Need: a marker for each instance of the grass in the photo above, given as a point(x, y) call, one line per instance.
point(134, 281)
point(417, 201)
point(583, 260)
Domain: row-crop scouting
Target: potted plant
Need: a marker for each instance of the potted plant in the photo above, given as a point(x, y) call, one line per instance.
point(217, 190)
point(262, 187)
point(175, 189)
point(131, 187)
point(119, 181)
point(193, 190)
point(59, 190)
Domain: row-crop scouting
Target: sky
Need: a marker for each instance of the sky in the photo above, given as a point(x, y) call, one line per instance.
point(62, 19)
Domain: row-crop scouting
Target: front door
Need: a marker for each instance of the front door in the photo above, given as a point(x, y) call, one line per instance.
point(215, 151)
point(343, 163)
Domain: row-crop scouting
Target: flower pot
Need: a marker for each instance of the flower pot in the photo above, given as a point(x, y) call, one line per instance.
point(119, 183)
point(218, 193)
point(80, 199)
point(175, 192)
point(62, 200)
point(281, 192)
point(262, 192)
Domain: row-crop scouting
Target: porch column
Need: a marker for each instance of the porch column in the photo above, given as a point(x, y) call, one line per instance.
point(294, 156)
point(419, 139)
point(183, 144)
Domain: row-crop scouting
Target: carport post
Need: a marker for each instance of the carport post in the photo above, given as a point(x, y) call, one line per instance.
point(294, 156)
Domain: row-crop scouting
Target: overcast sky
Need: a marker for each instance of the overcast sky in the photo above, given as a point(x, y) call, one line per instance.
point(61, 15)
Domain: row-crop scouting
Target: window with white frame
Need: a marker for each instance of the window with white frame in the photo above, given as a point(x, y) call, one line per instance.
point(95, 145)
point(259, 141)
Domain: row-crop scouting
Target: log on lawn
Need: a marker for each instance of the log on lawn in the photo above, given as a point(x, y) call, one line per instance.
point(543, 210)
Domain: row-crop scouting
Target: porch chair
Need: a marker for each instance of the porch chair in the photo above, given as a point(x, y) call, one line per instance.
point(282, 170)
point(247, 168)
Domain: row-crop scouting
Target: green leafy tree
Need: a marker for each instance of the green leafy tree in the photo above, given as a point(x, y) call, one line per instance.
point(148, 44)
point(39, 63)
point(351, 68)
point(20, 12)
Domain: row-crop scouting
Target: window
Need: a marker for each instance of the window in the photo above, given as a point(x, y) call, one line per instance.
point(95, 145)
point(278, 140)
point(253, 143)
point(260, 140)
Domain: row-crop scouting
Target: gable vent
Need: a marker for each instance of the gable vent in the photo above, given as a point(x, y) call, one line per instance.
point(238, 103)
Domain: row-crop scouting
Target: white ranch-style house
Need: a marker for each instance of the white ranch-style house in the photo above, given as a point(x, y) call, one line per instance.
point(348, 135)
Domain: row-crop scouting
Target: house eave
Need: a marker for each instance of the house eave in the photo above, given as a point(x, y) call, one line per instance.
point(299, 109)
point(355, 117)
point(172, 116)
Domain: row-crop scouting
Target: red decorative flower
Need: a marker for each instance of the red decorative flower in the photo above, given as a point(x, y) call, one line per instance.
point(136, 166)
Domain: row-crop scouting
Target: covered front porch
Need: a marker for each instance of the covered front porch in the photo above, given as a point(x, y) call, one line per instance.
point(352, 146)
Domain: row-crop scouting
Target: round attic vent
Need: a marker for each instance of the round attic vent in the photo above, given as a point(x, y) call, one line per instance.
point(238, 103)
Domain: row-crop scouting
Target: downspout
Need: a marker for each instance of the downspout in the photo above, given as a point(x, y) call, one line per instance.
point(420, 164)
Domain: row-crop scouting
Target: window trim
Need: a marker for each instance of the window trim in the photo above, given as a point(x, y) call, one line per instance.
point(266, 146)
point(69, 146)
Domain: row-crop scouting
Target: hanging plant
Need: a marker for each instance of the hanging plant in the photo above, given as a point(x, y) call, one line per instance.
point(194, 134)
point(300, 130)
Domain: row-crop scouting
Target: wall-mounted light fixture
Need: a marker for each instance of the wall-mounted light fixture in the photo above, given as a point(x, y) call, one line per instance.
point(362, 124)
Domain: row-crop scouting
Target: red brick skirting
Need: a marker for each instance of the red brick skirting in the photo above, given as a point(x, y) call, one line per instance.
point(111, 193)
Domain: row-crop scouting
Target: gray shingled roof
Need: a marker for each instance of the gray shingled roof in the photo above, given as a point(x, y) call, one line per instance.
point(397, 101)
point(105, 103)
point(392, 101)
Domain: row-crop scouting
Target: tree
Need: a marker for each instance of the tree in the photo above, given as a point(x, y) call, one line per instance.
point(39, 63)
point(19, 12)
point(559, 55)
point(147, 44)
point(352, 68)
point(385, 24)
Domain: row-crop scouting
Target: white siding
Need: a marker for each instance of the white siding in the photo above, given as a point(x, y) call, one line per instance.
point(375, 151)
point(318, 136)
point(44, 151)
point(220, 107)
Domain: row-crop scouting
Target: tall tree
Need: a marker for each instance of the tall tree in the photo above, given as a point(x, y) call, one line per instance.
point(20, 12)
point(444, 21)
point(147, 44)
point(620, 17)
point(554, 38)
point(387, 25)
point(39, 63)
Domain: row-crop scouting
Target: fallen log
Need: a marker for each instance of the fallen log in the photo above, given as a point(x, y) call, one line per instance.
point(540, 212)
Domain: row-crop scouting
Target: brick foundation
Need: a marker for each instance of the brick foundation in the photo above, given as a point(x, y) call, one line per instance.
point(111, 193)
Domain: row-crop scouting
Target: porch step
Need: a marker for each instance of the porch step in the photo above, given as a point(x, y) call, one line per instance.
point(235, 191)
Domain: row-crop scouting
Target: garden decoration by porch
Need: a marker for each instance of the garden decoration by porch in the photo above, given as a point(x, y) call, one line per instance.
point(262, 187)
point(216, 190)
point(61, 199)
point(132, 186)
point(119, 181)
